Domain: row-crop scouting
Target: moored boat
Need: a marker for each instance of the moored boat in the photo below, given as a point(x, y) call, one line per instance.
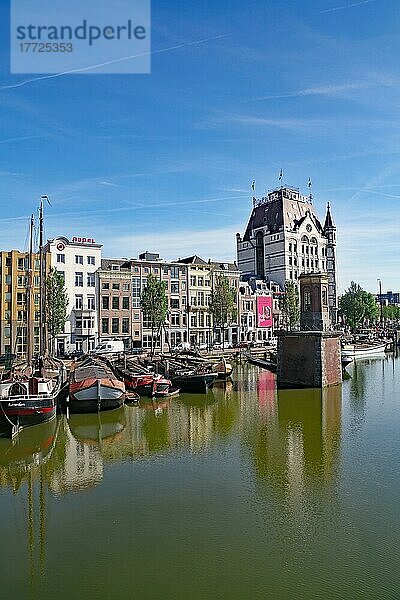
point(93, 387)
point(193, 382)
point(26, 402)
point(361, 350)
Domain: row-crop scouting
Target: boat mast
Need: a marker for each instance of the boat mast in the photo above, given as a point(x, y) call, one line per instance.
point(29, 319)
point(42, 279)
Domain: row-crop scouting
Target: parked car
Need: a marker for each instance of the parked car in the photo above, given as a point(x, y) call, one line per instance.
point(110, 347)
point(74, 354)
point(182, 347)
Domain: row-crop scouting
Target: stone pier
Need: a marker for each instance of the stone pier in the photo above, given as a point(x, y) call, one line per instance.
point(308, 359)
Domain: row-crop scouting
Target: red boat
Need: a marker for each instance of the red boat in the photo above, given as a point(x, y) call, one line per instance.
point(27, 402)
point(94, 387)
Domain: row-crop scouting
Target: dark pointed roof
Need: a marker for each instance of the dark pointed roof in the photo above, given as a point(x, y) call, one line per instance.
point(328, 219)
point(192, 260)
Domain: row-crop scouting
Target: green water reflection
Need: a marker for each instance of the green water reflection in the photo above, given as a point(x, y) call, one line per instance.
point(245, 492)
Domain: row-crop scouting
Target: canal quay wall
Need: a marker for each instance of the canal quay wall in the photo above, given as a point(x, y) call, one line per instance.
point(308, 359)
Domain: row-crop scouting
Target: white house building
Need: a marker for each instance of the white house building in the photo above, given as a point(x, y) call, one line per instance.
point(78, 259)
point(285, 238)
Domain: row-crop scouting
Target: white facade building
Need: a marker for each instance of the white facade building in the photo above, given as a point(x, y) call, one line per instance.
point(285, 238)
point(78, 259)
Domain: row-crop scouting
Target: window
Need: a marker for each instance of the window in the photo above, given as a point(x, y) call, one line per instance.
point(115, 286)
point(165, 269)
point(126, 287)
point(136, 316)
point(183, 286)
point(136, 269)
point(79, 302)
point(192, 280)
point(125, 303)
point(8, 261)
point(193, 320)
point(105, 286)
point(175, 319)
point(22, 263)
point(135, 292)
point(200, 298)
point(91, 280)
point(78, 259)
point(91, 260)
point(115, 325)
point(105, 302)
point(125, 325)
point(207, 283)
point(174, 287)
point(155, 270)
point(146, 270)
point(78, 323)
point(20, 298)
point(105, 325)
point(175, 272)
point(36, 298)
point(307, 299)
point(174, 303)
point(79, 279)
point(61, 274)
point(90, 303)
point(8, 278)
point(193, 301)
point(88, 322)
point(200, 281)
point(115, 303)
point(61, 258)
point(36, 281)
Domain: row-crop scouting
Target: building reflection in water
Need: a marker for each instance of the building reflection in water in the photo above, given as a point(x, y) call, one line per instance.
point(293, 435)
point(294, 439)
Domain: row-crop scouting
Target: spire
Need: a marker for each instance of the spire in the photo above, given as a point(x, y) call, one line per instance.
point(329, 224)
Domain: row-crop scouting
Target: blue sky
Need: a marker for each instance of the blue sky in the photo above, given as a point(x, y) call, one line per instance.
point(165, 161)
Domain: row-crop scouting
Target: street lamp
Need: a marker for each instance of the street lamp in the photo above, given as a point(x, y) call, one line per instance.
point(380, 300)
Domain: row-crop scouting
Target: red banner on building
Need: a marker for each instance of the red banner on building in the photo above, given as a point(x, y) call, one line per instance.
point(264, 311)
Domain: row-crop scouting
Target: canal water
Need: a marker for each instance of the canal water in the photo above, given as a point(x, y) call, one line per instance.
point(243, 493)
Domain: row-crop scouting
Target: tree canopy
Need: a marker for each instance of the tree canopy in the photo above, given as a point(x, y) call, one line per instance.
point(291, 305)
point(222, 305)
point(154, 304)
point(56, 303)
point(356, 306)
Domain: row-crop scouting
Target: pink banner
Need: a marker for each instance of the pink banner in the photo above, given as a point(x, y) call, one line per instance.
point(264, 311)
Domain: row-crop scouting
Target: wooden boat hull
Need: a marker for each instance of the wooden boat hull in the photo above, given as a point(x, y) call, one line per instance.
point(354, 351)
point(142, 384)
point(19, 413)
point(194, 383)
point(93, 395)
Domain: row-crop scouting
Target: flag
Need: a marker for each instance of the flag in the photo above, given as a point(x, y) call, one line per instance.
point(253, 186)
point(47, 199)
point(280, 175)
point(309, 182)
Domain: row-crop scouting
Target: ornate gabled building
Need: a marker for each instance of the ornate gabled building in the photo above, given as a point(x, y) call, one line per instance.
point(285, 238)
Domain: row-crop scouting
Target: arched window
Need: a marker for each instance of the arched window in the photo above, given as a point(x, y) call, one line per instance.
point(307, 299)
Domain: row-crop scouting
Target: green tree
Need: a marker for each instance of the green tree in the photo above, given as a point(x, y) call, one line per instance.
point(56, 305)
point(154, 304)
point(222, 305)
point(291, 305)
point(391, 312)
point(356, 305)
